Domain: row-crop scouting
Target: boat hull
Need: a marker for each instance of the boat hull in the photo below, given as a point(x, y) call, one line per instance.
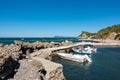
point(75, 57)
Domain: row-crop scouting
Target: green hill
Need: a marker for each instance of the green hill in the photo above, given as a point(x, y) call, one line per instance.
point(111, 32)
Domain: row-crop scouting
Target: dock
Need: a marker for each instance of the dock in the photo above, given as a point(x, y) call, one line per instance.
point(49, 51)
point(83, 43)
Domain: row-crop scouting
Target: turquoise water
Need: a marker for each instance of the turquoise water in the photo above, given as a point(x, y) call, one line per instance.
point(105, 66)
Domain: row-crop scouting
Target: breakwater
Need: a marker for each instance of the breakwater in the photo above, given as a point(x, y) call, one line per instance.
point(14, 57)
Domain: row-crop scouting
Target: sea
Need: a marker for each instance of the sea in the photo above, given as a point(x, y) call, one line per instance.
point(105, 63)
point(11, 40)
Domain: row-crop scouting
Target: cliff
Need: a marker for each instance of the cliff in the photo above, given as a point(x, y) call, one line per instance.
point(111, 33)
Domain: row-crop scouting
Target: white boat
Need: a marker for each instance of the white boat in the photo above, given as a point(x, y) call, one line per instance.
point(75, 57)
point(87, 50)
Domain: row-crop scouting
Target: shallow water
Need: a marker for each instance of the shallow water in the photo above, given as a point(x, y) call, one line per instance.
point(105, 66)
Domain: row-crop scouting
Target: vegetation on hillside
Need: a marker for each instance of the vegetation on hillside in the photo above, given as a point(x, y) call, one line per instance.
point(103, 33)
point(86, 34)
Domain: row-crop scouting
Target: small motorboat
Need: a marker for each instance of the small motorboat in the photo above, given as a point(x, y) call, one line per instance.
point(75, 57)
point(85, 50)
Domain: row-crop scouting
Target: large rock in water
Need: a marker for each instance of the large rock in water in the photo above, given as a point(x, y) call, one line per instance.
point(53, 70)
point(30, 70)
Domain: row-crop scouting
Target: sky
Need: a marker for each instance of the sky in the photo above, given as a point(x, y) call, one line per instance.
point(48, 18)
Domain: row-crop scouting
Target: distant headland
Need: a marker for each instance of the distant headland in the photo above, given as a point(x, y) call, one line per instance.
point(108, 33)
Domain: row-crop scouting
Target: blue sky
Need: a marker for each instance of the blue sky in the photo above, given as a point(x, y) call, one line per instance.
point(47, 18)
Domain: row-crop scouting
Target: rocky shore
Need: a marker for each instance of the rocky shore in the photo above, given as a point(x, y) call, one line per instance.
point(106, 42)
point(30, 61)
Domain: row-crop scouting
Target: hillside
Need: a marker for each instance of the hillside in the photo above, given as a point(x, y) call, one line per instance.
point(112, 33)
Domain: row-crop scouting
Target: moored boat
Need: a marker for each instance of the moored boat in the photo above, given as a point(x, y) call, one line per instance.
point(75, 57)
point(85, 50)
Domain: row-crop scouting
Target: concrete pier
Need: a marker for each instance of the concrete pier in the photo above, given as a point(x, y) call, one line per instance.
point(50, 51)
point(117, 43)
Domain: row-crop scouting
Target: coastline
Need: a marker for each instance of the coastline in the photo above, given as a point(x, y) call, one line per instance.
point(107, 42)
point(36, 55)
point(24, 52)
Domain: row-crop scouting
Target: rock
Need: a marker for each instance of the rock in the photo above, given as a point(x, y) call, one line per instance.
point(27, 45)
point(1, 45)
point(84, 35)
point(9, 56)
point(109, 33)
point(114, 36)
point(8, 66)
point(111, 36)
point(117, 37)
point(37, 45)
point(18, 42)
point(12, 50)
point(44, 53)
point(32, 59)
point(3, 59)
point(45, 44)
point(30, 70)
point(57, 44)
point(53, 70)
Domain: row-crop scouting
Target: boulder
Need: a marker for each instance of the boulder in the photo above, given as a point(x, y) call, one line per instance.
point(30, 70)
point(45, 44)
point(43, 53)
point(37, 45)
point(9, 56)
point(8, 66)
point(30, 61)
point(53, 70)
point(12, 50)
